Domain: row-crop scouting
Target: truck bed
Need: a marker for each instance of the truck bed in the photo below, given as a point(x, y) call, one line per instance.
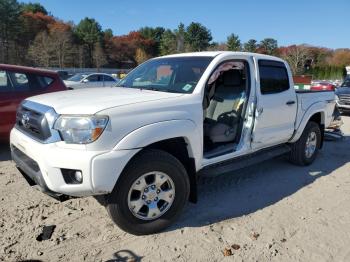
point(307, 99)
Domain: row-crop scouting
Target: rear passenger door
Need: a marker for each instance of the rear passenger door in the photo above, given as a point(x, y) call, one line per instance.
point(276, 105)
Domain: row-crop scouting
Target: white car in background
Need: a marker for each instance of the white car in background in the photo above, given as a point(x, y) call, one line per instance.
point(83, 80)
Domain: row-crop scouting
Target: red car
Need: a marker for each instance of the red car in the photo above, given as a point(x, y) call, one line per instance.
point(323, 86)
point(18, 83)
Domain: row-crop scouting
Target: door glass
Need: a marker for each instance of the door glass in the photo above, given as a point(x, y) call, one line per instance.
point(5, 85)
point(273, 77)
point(92, 78)
point(20, 82)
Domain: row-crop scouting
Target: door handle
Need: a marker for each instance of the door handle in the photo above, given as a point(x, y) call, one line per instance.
point(290, 102)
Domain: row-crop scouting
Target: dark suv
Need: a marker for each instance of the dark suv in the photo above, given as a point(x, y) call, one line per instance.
point(18, 83)
point(343, 96)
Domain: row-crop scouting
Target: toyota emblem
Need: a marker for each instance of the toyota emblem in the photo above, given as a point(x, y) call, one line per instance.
point(25, 120)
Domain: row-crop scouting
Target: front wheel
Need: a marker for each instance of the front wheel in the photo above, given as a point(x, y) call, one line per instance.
point(150, 193)
point(305, 150)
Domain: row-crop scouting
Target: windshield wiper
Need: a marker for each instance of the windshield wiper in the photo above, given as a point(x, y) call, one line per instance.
point(162, 90)
point(151, 88)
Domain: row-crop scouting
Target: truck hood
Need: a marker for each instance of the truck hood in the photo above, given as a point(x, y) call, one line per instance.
point(93, 100)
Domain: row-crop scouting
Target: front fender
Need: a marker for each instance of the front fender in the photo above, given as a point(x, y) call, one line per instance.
point(159, 131)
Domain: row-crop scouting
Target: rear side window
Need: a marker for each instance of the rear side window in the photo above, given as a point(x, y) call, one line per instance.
point(273, 77)
point(45, 81)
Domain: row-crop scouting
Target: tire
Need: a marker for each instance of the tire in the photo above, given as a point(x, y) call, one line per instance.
point(298, 154)
point(139, 169)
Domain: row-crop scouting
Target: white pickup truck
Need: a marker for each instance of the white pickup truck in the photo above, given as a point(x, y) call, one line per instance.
point(143, 144)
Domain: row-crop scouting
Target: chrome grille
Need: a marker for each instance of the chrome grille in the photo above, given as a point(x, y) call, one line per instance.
point(36, 120)
point(33, 123)
point(344, 99)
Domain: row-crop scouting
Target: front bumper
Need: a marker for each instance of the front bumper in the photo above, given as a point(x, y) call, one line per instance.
point(28, 168)
point(42, 164)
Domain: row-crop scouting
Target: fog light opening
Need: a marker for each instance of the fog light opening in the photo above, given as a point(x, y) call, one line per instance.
point(72, 176)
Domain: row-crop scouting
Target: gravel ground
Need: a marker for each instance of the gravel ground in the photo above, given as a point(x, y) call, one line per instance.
point(270, 212)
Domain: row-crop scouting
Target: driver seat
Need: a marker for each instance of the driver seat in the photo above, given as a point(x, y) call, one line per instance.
point(222, 119)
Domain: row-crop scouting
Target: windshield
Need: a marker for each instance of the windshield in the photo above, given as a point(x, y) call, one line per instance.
point(77, 77)
point(175, 74)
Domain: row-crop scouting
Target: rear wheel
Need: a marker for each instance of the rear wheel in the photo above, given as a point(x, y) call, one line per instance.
point(305, 150)
point(150, 194)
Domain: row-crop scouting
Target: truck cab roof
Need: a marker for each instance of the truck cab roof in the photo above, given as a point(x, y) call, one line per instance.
point(227, 53)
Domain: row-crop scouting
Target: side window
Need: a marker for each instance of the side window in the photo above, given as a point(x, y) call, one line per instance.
point(24, 82)
point(5, 84)
point(20, 81)
point(273, 77)
point(108, 78)
point(93, 78)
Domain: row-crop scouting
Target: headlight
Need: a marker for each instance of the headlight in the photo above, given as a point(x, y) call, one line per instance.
point(80, 129)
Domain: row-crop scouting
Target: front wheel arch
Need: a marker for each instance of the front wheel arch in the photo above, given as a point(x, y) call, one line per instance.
point(150, 160)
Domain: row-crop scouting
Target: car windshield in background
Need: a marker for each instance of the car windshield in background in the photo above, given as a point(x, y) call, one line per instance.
point(77, 77)
point(173, 74)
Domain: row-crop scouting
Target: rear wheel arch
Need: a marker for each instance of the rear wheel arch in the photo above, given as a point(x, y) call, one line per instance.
point(319, 118)
point(310, 139)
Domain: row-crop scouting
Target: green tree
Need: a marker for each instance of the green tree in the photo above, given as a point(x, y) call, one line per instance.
point(214, 46)
point(168, 43)
point(108, 33)
point(154, 34)
point(89, 33)
point(10, 27)
point(268, 46)
point(250, 46)
point(233, 43)
point(33, 8)
point(180, 34)
point(197, 37)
